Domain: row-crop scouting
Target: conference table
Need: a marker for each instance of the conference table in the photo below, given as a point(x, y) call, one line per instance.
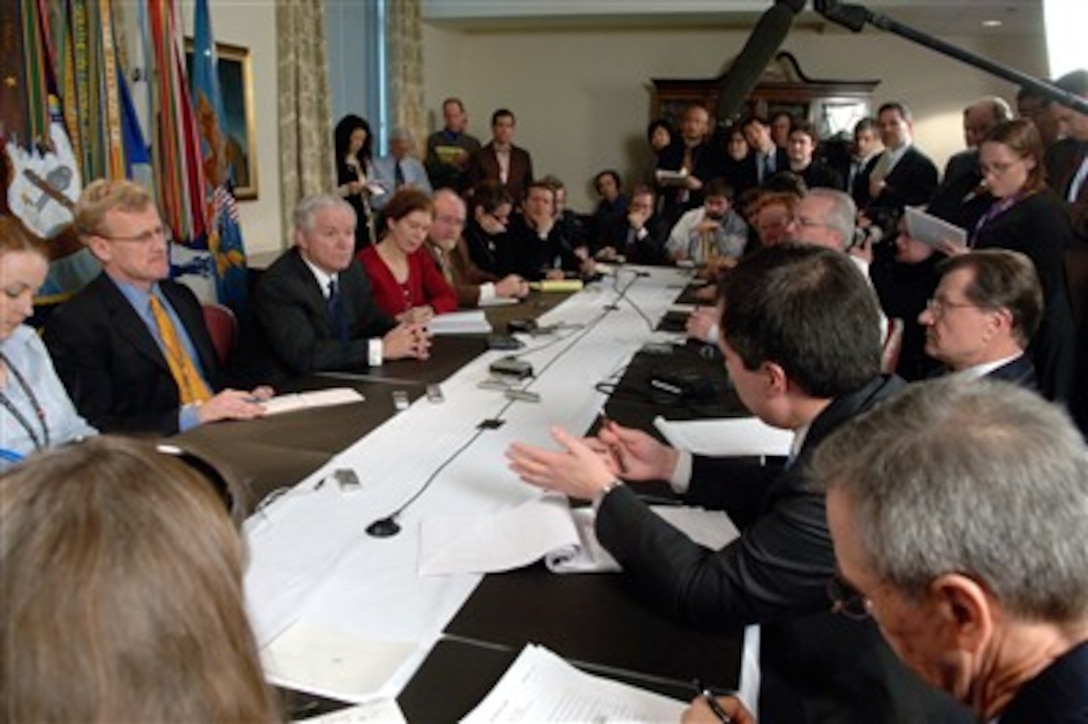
point(319, 584)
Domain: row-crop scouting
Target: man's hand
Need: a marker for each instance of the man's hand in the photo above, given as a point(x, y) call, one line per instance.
point(512, 285)
point(702, 324)
point(233, 405)
point(576, 470)
point(707, 225)
point(693, 183)
point(638, 456)
point(699, 712)
point(637, 219)
point(417, 315)
point(406, 340)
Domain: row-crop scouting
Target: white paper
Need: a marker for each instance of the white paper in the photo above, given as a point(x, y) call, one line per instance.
point(335, 664)
point(471, 321)
point(931, 230)
point(385, 711)
point(724, 437)
point(310, 400)
point(541, 687)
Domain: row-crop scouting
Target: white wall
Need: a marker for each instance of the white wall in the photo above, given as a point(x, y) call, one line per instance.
point(582, 96)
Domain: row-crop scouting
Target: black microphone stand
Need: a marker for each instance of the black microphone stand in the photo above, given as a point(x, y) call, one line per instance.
point(854, 17)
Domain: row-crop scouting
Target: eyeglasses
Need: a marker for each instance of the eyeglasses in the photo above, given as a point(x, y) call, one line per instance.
point(847, 600)
point(144, 237)
point(805, 223)
point(998, 169)
point(451, 220)
point(222, 487)
point(937, 307)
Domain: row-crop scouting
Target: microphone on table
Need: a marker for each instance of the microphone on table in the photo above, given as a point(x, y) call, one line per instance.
point(767, 37)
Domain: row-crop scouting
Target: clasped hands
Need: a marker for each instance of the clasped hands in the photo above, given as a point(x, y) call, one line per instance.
point(407, 340)
point(583, 467)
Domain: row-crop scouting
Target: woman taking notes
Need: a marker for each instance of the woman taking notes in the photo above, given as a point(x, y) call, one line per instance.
point(35, 411)
point(407, 283)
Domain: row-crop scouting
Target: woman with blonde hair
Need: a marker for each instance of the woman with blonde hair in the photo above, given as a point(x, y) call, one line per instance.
point(122, 596)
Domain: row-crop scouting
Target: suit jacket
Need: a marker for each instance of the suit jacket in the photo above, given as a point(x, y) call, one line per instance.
point(911, 183)
point(707, 163)
point(1063, 162)
point(292, 312)
point(1019, 371)
point(111, 364)
point(1058, 695)
point(461, 273)
point(818, 175)
point(816, 666)
point(484, 168)
point(1036, 227)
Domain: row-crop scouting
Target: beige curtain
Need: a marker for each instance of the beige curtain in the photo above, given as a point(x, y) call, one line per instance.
point(305, 113)
point(404, 37)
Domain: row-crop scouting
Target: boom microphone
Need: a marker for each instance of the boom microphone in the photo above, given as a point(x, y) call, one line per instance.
point(767, 37)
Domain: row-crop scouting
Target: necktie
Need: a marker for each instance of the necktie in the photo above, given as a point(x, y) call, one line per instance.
point(191, 386)
point(398, 174)
point(337, 320)
point(768, 165)
point(1078, 181)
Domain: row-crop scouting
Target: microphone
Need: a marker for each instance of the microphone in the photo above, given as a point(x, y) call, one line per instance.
point(767, 37)
point(851, 17)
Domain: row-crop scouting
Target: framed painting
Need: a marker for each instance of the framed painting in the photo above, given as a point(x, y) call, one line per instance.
point(236, 87)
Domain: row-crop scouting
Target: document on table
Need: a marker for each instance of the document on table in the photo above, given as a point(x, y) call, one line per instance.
point(544, 528)
point(471, 321)
point(724, 437)
point(310, 400)
point(541, 687)
point(932, 230)
point(334, 664)
point(385, 711)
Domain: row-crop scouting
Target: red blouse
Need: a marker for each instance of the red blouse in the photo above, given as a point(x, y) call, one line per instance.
point(425, 284)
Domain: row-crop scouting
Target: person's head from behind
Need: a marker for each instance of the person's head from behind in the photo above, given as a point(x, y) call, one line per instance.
point(118, 222)
point(325, 232)
point(23, 268)
point(1071, 123)
point(987, 306)
point(959, 515)
point(824, 217)
point(717, 198)
point(799, 323)
point(608, 184)
point(408, 217)
point(1011, 159)
point(502, 127)
point(352, 137)
point(453, 115)
point(449, 219)
point(122, 596)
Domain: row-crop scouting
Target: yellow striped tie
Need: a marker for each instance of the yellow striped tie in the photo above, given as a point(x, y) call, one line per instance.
point(191, 386)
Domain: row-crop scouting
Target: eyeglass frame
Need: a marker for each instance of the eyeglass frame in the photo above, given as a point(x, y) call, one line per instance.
point(938, 307)
point(143, 238)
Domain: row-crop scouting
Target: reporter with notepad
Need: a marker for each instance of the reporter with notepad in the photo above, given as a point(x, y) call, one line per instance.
point(801, 343)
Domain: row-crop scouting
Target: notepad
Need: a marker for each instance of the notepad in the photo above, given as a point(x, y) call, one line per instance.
point(311, 400)
point(724, 437)
point(467, 322)
point(931, 230)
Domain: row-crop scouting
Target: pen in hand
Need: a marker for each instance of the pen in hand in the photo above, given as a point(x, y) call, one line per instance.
point(708, 697)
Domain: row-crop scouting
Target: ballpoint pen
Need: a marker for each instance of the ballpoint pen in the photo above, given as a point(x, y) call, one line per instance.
point(708, 697)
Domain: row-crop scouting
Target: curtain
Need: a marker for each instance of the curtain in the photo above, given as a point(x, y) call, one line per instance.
point(404, 42)
point(305, 113)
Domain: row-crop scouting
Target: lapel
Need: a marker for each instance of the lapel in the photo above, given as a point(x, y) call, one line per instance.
point(126, 322)
point(312, 293)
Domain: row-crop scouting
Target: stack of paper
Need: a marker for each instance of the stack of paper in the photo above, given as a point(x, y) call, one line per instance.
point(309, 400)
point(541, 687)
point(468, 322)
point(725, 437)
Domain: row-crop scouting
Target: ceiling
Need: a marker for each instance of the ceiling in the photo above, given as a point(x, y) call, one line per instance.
point(933, 17)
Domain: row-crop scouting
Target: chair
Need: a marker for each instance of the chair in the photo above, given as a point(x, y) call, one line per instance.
point(893, 346)
point(223, 327)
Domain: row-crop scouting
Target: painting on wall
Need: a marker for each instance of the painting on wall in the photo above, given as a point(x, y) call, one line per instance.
point(236, 88)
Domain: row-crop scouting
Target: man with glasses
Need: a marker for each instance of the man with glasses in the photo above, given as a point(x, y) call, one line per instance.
point(800, 342)
point(983, 314)
point(473, 285)
point(959, 515)
point(132, 347)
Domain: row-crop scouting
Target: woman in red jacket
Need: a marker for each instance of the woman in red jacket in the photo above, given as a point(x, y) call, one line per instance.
point(407, 283)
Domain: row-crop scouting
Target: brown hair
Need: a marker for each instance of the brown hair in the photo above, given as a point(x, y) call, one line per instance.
point(405, 202)
point(1003, 279)
point(103, 196)
point(122, 596)
point(1022, 138)
point(13, 237)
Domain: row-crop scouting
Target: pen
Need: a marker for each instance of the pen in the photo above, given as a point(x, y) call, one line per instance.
point(708, 697)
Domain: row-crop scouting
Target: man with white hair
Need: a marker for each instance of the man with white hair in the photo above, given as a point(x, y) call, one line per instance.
point(400, 169)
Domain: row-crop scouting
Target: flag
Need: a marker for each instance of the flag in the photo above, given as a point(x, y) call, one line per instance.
point(224, 235)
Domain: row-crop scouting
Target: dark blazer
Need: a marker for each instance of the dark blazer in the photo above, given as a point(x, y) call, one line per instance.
point(911, 183)
point(707, 163)
point(816, 666)
point(817, 175)
point(781, 163)
point(1058, 695)
point(1019, 371)
point(112, 366)
point(523, 252)
point(1037, 227)
point(292, 312)
point(1063, 162)
point(484, 168)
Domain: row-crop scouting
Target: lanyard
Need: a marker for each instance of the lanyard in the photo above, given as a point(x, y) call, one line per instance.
point(993, 212)
point(39, 411)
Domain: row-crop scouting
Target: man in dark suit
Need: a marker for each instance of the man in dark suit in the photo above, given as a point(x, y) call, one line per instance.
point(960, 526)
point(801, 343)
point(315, 306)
point(639, 236)
point(802, 144)
point(901, 175)
point(131, 347)
point(500, 162)
point(693, 155)
point(765, 158)
point(983, 314)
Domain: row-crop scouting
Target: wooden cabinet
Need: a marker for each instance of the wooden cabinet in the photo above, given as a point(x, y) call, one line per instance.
point(832, 106)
